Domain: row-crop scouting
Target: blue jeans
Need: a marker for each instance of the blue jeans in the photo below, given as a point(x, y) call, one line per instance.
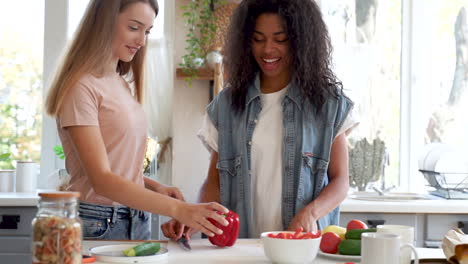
point(114, 222)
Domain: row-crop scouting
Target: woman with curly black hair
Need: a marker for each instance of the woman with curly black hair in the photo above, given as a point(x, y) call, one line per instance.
point(277, 131)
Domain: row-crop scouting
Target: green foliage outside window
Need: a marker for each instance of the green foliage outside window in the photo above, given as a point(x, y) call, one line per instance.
point(20, 104)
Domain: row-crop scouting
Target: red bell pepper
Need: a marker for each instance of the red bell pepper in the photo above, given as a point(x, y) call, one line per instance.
point(230, 232)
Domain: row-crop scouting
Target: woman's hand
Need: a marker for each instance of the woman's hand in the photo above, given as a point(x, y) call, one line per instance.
point(305, 220)
point(174, 230)
point(196, 216)
point(170, 191)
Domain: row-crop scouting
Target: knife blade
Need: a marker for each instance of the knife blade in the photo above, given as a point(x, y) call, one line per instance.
point(183, 242)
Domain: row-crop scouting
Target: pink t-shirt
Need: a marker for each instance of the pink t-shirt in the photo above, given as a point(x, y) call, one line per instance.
point(105, 102)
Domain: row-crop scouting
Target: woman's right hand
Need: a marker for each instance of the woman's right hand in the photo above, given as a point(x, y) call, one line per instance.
point(196, 216)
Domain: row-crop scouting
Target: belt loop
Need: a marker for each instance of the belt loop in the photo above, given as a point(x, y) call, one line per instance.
point(114, 214)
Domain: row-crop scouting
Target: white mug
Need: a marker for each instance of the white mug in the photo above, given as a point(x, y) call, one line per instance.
point(383, 248)
point(7, 180)
point(406, 234)
point(26, 173)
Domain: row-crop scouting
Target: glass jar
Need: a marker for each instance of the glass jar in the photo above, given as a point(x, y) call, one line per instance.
point(57, 229)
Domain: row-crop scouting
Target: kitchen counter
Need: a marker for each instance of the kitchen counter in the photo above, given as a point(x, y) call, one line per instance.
point(244, 251)
point(8, 199)
point(349, 205)
point(439, 206)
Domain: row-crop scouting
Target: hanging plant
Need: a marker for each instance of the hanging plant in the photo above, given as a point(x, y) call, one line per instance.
point(199, 18)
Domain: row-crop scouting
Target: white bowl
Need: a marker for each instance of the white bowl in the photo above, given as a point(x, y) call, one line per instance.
point(290, 250)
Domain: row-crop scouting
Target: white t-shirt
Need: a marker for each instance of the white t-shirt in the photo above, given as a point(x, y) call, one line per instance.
point(266, 153)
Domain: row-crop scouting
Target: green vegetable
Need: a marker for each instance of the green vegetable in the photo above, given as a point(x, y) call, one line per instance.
point(350, 247)
point(144, 249)
point(356, 233)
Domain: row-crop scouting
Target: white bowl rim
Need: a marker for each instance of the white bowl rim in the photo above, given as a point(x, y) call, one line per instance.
point(265, 235)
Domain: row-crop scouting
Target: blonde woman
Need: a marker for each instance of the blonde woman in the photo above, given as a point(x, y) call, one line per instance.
point(103, 129)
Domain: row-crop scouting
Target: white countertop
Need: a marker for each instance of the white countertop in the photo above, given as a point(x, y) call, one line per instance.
point(18, 199)
point(244, 251)
point(441, 206)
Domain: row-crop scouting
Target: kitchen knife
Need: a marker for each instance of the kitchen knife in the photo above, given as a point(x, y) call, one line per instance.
point(183, 242)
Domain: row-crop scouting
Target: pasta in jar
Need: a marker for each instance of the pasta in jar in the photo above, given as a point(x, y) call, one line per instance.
point(57, 230)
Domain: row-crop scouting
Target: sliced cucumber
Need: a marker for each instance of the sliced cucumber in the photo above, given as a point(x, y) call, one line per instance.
point(143, 249)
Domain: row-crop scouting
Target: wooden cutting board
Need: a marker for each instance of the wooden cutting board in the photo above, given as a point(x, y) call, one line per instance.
point(432, 261)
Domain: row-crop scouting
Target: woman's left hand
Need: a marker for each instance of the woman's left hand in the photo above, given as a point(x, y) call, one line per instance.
point(171, 191)
point(304, 220)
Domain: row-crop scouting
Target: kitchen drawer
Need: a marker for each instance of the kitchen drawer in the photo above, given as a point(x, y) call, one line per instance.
point(15, 244)
point(438, 225)
point(16, 221)
point(15, 258)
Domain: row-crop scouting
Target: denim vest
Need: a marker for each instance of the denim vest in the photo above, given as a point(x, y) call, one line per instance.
point(307, 141)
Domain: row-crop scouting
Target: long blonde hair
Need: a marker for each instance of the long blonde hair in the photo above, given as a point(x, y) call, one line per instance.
point(91, 51)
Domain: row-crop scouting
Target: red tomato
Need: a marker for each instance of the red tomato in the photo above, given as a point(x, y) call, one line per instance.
point(330, 242)
point(356, 224)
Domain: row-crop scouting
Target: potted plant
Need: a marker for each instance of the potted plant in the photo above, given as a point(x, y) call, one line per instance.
point(5, 161)
point(5, 156)
point(367, 161)
point(199, 17)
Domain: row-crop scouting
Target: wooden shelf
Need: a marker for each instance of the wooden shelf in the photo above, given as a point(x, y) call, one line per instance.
point(202, 74)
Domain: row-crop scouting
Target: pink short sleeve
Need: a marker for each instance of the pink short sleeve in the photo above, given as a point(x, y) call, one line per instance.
point(80, 106)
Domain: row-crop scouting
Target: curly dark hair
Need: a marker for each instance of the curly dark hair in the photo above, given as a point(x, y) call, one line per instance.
point(309, 45)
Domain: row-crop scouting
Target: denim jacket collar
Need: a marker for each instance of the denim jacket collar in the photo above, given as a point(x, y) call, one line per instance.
point(293, 93)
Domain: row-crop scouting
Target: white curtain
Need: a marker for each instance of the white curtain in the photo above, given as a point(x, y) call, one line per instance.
point(158, 103)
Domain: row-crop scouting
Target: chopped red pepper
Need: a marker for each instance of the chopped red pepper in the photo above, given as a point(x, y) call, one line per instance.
point(297, 235)
point(230, 232)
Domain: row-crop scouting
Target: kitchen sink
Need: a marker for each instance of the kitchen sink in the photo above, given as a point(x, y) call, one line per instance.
point(390, 197)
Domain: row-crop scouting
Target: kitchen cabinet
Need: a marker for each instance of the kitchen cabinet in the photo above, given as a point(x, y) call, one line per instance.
point(15, 233)
point(438, 225)
point(431, 219)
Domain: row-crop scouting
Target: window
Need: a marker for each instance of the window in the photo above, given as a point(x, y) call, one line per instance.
point(78, 7)
point(440, 81)
point(21, 60)
point(366, 37)
point(405, 64)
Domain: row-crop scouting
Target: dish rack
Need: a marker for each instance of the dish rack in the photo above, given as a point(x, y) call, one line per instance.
point(447, 185)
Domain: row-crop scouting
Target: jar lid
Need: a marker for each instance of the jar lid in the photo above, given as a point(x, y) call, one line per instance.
point(59, 195)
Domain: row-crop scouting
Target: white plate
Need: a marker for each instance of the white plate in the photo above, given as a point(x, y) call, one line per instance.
point(114, 254)
point(340, 257)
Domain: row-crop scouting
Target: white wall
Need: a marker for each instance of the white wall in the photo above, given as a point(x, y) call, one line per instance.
point(190, 158)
